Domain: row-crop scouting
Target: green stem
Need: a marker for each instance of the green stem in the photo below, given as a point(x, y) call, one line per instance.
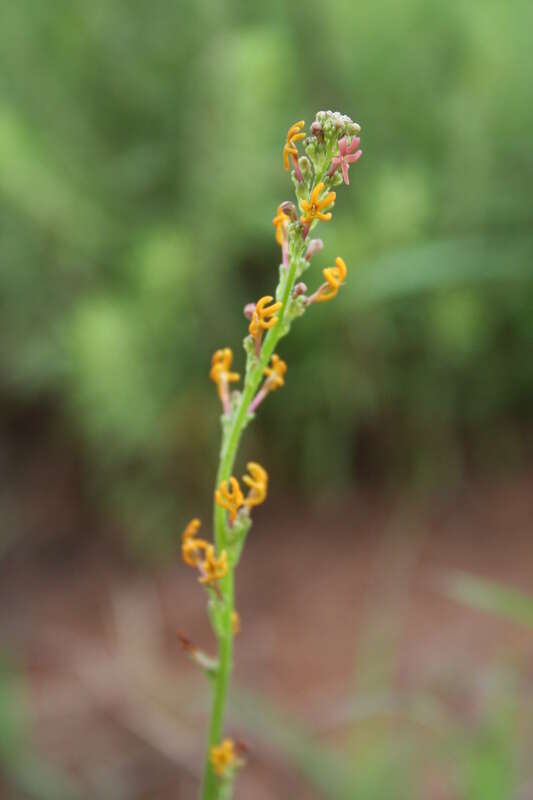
point(225, 657)
point(230, 446)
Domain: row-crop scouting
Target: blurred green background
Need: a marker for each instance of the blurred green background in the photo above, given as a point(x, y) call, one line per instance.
point(140, 168)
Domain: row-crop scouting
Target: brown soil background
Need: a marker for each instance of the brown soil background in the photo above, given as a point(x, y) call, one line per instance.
point(335, 605)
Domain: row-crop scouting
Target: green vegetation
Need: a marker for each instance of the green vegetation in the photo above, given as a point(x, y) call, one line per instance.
point(128, 235)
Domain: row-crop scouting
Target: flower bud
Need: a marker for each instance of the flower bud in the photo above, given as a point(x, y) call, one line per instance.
point(248, 310)
point(314, 246)
point(305, 167)
point(205, 662)
point(289, 209)
point(316, 130)
point(299, 289)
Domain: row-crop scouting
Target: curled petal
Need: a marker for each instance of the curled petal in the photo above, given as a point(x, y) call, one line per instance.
point(355, 157)
point(294, 134)
point(334, 277)
point(264, 316)
point(257, 482)
point(192, 529)
point(213, 568)
point(191, 551)
point(230, 497)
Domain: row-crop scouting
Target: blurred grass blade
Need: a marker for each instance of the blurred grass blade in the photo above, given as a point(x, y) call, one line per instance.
point(490, 596)
point(326, 769)
point(368, 771)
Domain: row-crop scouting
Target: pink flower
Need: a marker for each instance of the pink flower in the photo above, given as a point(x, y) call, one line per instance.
point(346, 157)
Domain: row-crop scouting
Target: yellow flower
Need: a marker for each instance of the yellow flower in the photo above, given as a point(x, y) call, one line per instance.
point(220, 372)
point(314, 207)
point(231, 498)
point(213, 568)
point(223, 756)
point(199, 553)
point(334, 277)
point(275, 373)
point(257, 482)
point(264, 316)
point(235, 623)
point(294, 134)
point(191, 548)
point(280, 222)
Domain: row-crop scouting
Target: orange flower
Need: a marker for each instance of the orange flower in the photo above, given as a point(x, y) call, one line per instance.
point(314, 207)
point(200, 554)
point(264, 316)
point(294, 134)
point(275, 380)
point(257, 482)
point(223, 756)
point(334, 278)
point(221, 375)
point(191, 547)
point(280, 222)
point(213, 568)
point(231, 498)
point(275, 373)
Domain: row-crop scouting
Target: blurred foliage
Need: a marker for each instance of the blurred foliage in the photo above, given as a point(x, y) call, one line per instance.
point(140, 167)
point(404, 747)
point(22, 773)
point(490, 596)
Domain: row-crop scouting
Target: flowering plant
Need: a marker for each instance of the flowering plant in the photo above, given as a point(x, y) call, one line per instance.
point(330, 147)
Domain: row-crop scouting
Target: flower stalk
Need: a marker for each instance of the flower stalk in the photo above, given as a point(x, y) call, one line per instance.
point(270, 320)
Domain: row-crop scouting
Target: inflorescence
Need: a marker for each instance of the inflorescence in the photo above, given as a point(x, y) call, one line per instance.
point(330, 148)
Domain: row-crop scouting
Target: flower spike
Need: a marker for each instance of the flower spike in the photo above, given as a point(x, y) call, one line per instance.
point(294, 134)
point(257, 482)
point(346, 157)
point(231, 498)
point(221, 375)
point(316, 162)
point(314, 207)
point(334, 278)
